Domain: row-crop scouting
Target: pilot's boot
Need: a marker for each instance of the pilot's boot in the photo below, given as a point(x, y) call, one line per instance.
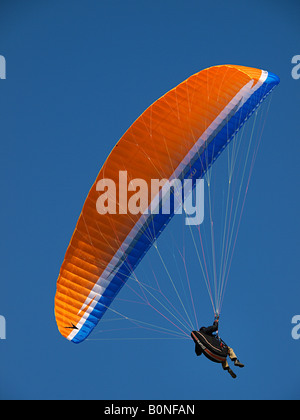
point(238, 363)
point(233, 375)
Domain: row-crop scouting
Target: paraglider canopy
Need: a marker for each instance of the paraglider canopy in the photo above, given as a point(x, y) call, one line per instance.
point(179, 136)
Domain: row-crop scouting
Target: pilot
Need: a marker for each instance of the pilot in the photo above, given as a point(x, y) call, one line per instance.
point(213, 331)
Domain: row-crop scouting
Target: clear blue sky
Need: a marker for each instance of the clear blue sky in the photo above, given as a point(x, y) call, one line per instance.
point(78, 74)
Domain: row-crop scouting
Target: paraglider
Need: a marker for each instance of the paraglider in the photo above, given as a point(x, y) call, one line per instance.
point(178, 137)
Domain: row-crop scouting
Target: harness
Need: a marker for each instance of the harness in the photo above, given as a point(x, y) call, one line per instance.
point(211, 346)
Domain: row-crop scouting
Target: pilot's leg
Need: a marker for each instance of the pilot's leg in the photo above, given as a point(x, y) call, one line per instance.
point(231, 354)
point(225, 366)
point(233, 357)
